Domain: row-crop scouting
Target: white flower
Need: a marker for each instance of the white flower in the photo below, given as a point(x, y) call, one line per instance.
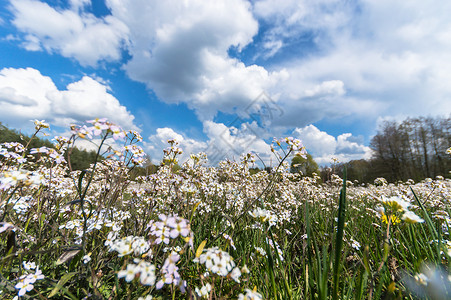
point(411, 217)
point(23, 286)
point(122, 246)
point(31, 278)
point(264, 215)
point(129, 273)
point(396, 203)
point(218, 262)
point(140, 245)
point(29, 265)
point(203, 291)
point(250, 295)
point(86, 258)
point(355, 244)
point(9, 179)
point(147, 272)
point(112, 235)
point(40, 124)
point(260, 251)
point(5, 226)
point(236, 274)
point(180, 227)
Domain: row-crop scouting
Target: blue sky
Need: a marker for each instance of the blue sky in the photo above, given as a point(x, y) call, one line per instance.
point(225, 77)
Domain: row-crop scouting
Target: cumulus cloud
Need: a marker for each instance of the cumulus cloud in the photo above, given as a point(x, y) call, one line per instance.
point(158, 141)
point(293, 20)
point(353, 71)
point(79, 4)
point(180, 50)
point(390, 56)
point(232, 141)
point(223, 142)
point(324, 147)
point(80, 36)
point(334, 87)
point(362, 59)
point(26, 94)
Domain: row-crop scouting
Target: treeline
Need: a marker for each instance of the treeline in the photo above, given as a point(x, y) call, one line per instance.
point(80, 159)
point(412, 149)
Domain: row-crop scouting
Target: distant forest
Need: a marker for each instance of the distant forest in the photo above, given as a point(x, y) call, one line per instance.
point(413, 149)
point(80, 159)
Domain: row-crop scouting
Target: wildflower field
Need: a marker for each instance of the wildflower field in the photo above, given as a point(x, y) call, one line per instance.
point(200, 232)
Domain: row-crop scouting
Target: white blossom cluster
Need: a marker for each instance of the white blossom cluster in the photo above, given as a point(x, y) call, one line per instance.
point(219, 262)
point(26, 281)
point(15, 177)
point(263, 216)
point(130, 244)
point(144, 269)
point(169, 227)
point(250, 295)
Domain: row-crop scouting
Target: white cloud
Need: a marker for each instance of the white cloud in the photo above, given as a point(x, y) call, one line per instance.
point(331, 87)
point(324, 147)
point(361, 59)
point(83, 37)
point(26, 94)
point(179, 50)
point(79, 4)
point(292, 20)
point(303, 15)
point(231, 142)
point(158, 141)
point(391, 56)
point(223, 142)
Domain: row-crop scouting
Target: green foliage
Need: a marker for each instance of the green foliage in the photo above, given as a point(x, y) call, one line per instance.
point(9, 135)
point(307, 166)
point(147, 170)
point(79, 159)
point(253, 171)
point(412, 149)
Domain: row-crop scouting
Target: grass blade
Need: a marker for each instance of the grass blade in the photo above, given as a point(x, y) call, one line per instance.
point(339, 235)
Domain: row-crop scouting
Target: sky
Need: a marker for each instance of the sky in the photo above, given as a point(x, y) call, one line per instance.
point(227, 76)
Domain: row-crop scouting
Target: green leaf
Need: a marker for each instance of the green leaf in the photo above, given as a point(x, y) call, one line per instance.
point(339, 235)
point(67, 255)
point(61, 283)
point(200, 248)
point(80, 181)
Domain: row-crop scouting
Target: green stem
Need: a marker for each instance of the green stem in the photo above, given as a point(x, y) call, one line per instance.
point(339, 236)
point(6, 204)
point(82, 196)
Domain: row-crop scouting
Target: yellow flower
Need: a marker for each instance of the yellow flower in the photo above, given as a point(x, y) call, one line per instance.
point(396, 203)
point(392, 218)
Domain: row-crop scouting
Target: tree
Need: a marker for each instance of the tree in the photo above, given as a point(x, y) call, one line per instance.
point(307, 166)
point(80, 159)
point(412, 149)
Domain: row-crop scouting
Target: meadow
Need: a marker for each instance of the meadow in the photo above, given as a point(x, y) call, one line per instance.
point(201, 232)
